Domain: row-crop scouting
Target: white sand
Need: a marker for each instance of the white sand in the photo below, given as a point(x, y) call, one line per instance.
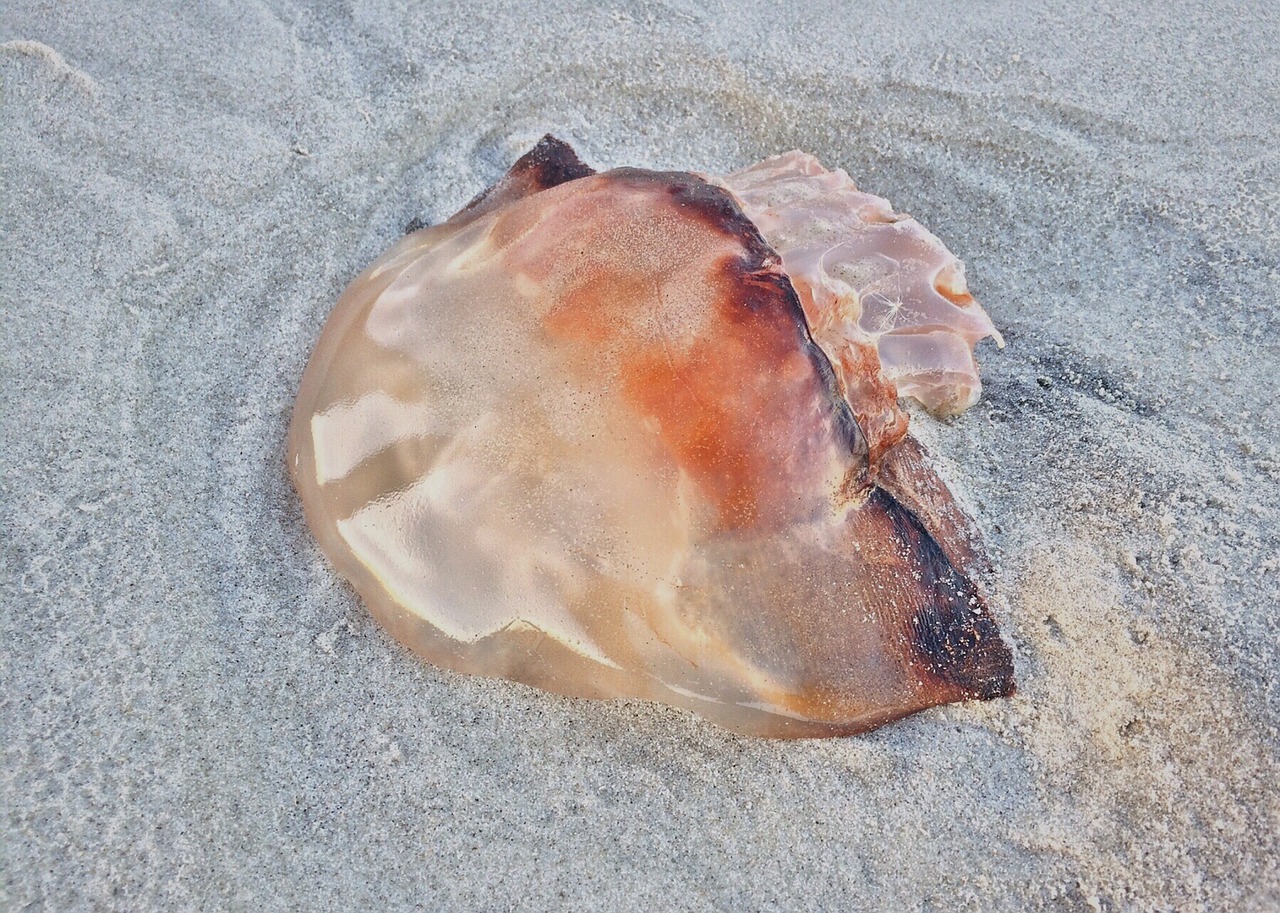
point(197, 714)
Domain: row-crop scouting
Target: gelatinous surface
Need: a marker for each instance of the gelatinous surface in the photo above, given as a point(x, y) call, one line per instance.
point(877, 289)
point(581, 436)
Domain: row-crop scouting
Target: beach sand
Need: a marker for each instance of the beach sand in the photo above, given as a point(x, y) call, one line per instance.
point(196, 713)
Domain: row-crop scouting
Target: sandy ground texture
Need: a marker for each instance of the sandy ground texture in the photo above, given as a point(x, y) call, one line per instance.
point(197, 714)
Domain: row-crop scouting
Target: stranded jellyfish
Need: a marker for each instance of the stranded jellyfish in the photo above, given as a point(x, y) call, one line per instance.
point(637, 434)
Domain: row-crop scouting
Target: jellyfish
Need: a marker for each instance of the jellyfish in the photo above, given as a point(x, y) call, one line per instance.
point(637, 434)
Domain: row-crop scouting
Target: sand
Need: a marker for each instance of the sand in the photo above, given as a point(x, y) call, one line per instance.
point(197, 714)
